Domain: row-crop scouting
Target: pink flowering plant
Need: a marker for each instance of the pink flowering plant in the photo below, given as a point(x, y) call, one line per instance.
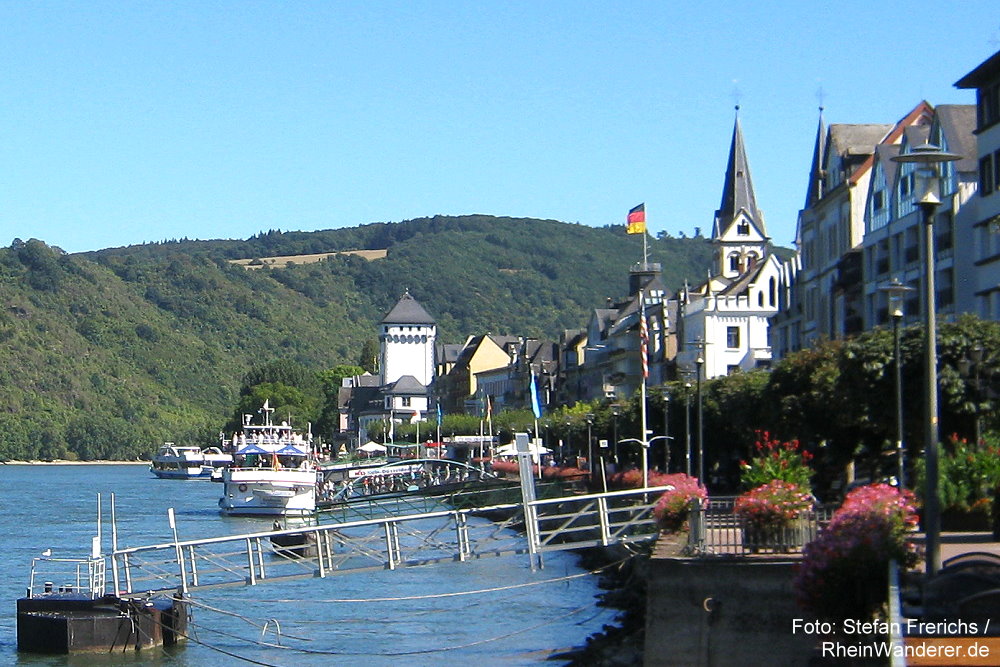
point(632, 479)
point(844, 572)
point(774, 459)
point(674, 506)
point(775, 504)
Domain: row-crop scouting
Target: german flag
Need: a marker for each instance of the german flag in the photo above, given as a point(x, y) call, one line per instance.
point(637, 220)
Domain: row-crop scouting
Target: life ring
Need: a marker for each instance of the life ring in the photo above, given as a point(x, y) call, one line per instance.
point(243, 488)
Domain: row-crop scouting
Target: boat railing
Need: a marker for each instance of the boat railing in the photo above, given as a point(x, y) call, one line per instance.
point(86, 576)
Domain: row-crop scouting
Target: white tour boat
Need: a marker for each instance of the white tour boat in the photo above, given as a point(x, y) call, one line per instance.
point(182, 462)
point(273, 471)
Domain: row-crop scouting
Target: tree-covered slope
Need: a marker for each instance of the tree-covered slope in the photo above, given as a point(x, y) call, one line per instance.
point(109, 353)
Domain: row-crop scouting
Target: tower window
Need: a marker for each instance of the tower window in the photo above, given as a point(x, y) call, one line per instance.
point(732, 337)
point(743, 229)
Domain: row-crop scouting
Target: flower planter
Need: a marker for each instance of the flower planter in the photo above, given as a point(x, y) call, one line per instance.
point(776, 538)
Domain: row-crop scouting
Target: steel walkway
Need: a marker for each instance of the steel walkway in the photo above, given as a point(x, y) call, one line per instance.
point(391, 542)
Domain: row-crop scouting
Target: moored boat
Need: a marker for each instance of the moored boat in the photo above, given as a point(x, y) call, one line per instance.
point(370, 480)
point(186, 462)
point(273, 472)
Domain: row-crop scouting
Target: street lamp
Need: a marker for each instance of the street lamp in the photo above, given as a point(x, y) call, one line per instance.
point(896, 291)
point(666, 432)
point(687, 427)
point(928, 157)
point(615, 412)
point(699, 363)
point(666, 445)
point(590, 446)
point(643, 445)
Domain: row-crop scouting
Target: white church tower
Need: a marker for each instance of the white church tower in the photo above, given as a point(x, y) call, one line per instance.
point(725, 320)
point(407, 342)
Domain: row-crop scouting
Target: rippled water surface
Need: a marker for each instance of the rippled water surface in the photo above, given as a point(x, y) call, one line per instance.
point(322, 621)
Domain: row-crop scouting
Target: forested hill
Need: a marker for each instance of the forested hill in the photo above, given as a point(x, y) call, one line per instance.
point(106, 354)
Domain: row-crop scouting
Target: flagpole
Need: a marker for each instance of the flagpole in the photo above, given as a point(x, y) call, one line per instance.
point(645, 252)
point(642, 408)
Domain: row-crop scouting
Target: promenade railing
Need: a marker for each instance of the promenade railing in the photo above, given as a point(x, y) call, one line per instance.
point(716, 530)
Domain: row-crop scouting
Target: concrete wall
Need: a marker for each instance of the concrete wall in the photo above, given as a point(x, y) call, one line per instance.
point(723, 612)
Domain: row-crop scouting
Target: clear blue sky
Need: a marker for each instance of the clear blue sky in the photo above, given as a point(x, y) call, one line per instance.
point(128, 122)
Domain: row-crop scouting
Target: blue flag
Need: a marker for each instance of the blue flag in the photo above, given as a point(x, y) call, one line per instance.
point(535, 406)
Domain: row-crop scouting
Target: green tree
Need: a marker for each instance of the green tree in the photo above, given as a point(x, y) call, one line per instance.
point(331, 381)
point(290, 404)
point(368, 358)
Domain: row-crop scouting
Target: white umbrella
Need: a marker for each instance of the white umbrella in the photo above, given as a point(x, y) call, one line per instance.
point(371, 447)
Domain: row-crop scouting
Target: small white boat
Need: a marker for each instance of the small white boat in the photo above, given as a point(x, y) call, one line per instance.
point(273, 472)
point(183, 462)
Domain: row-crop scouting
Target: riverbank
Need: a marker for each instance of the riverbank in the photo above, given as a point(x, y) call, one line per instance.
point(66, 462)
point(624, 580)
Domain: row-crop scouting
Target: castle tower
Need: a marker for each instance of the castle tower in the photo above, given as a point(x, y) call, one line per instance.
point(407, 339)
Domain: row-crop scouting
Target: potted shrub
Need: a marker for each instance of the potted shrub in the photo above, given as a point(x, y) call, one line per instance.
point(774, 459)
point(674, 506)
point(968, 477)
point(772, 516)
point(844, 572)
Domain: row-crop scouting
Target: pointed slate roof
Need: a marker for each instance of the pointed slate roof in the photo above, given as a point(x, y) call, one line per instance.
point(958, 123)
point(737, 191)
point(815, 190)
point(407, 311)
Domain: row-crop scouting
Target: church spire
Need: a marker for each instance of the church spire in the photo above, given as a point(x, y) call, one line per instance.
point(737, 192)
point(815, 190)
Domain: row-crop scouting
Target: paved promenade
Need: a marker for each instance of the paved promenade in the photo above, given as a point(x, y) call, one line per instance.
point(954, 544)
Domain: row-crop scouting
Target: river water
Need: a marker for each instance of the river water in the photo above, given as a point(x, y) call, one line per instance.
point(55, 507)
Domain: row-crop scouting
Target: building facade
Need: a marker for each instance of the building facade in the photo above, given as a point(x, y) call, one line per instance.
point(892, 245)
point(984, 214)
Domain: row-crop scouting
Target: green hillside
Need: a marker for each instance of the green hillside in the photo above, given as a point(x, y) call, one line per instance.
point(109, 353)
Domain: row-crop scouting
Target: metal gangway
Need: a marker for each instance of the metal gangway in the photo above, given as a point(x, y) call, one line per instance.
point(532, 527)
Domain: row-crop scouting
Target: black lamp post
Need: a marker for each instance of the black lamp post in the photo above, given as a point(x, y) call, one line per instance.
point(929, 157)
point(699, 364)
point(615, 412)
point(896, 290)
point(590, 445)
point(687, 428)
point(666, 432)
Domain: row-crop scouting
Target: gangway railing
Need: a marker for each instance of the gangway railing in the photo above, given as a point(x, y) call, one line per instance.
point(599, 519)
point(390, 542)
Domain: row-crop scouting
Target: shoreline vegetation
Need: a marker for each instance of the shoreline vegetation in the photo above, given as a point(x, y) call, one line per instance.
point(67, 462)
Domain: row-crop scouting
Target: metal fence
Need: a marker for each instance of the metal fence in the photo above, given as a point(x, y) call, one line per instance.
point(596, 519)
point(67, 575)
point(717, 530)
